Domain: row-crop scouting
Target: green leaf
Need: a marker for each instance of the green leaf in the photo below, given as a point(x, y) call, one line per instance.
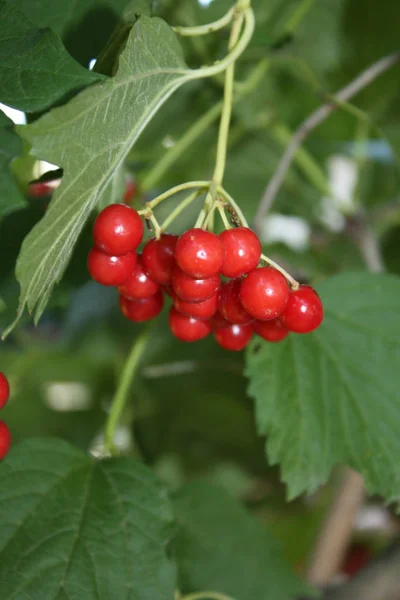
point(331, 397)
point(84, 25)
point(220, 547)
point(35, 69)
point(89, 138)
point(73, 527)
point(10, 147)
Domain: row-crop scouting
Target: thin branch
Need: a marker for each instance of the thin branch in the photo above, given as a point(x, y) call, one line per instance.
point(337, 530)
point(313, 121)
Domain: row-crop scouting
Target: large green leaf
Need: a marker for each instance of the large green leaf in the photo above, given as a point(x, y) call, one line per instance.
point(10, 147)
point(76, 528)
point(220, 547)
point(333, 396)
point(35, 69)
point(84, 25)
point(89, 138)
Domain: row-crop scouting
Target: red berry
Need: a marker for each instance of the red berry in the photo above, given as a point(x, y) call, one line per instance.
point(118, 230)
point(234, 337)
point(138, 285)
point(158, 258)
point(264, 293)
point(199, 310)
point(199, 253)
point(304, 311)
point(218, 322)
point(194, 290)
point(5, 440)
point(130, 191)
point(143, 309)
point(187, 329)
point(110, 270)
point(229, 304)
point(40, 189)
point(242, 251)
point(272, 331)
point(4, 390)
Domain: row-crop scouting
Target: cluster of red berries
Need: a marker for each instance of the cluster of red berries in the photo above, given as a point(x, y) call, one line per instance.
point(5, 436)
point(249, 299)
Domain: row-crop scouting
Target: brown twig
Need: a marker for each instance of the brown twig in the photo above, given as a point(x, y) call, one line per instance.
point(313, 121)
point(336, 532)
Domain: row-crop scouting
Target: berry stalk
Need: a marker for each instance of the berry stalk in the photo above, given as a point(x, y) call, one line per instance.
point(121, 395)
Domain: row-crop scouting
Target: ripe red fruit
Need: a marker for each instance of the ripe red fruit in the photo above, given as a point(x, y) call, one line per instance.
point(229, 304)
point(264, 293)
point(118, 230)
point(199, 253)
point(110, 270)
point(40, 189)
point(235, 337)
point(158, 258)
point(187, 329)
point(304, 311)
point(242, 251)
point(138, 285)
point(199, 310)
point(272, 331)
point(194, 290)
point(5, 440)
point(143, 309)
point(4, 390)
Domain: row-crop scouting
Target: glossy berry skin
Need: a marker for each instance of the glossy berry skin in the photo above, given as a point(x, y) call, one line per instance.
point(264, 293)
point(110, 270)
point(5, 440)
point(236, 337)
point(4, 390)
point(158, 258)
point(199, 253)
point(194, 290)
point(272, 331)
point(242, 251)
point(229, 304)
point(198, 310)
point(304, 311)
point(187, 329)
point(143, 309)
point(118, 230)
point(138, 285)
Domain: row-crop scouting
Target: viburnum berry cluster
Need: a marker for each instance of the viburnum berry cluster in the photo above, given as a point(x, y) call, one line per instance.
point(215, 282)
point(5, 436)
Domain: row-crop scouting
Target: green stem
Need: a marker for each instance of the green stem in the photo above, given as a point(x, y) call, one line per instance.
point(293, 283)
point(224, 219)
point(121, 395)
point(209, 27)
point(177, 211)
point(298, 15)
point(200, 126)
point(227, 106)
point(221, 65)
point(232, 202)
point(164, 164)
point(171, 192)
